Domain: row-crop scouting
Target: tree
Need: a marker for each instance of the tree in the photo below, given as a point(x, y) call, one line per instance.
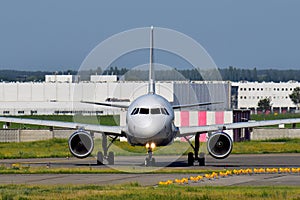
point(264, 104)
point(295, 97)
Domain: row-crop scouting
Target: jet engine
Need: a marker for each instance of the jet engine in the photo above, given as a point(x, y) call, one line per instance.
point(81, 144)
point(219, 145)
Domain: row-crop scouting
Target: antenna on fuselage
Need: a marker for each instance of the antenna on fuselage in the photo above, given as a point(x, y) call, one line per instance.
point(151, 87)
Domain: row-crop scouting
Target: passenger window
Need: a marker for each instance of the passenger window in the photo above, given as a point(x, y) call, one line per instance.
point(155, 111)
point(144, 111)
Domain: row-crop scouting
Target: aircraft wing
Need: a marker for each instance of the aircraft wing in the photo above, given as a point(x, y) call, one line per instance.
point(194, 105)
point(111, 130)
point(191, 130)
point(106, 104)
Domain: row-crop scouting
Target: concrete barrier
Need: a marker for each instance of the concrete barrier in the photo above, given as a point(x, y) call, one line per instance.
point(35, 135)
point(27, 135)
point(274, 133)
point(62, 133)
point(9, 135)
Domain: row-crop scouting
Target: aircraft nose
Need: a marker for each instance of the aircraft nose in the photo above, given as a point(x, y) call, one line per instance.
point(147, 127)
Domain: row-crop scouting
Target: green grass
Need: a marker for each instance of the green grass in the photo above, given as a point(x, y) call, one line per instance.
point(23, 168)
point(134, 191)
point(59, 148)
point(282, 145)
point(39, 149)
point(275, 116)
point(272, 116)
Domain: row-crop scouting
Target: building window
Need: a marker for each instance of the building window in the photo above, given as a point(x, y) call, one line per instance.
point(5, 112)
point(21, 112)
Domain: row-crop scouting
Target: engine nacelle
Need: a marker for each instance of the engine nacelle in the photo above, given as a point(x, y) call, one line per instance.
point(81, 144)
point(219, 145)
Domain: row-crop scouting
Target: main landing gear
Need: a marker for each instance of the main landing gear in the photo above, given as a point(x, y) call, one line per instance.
point(105, 155)
point(150, 161)
point(196, 156)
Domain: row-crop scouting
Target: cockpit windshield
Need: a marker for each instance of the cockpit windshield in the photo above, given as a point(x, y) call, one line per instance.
point(135, 111)
point(155, 111)
point(147, 111)
point(144, 111)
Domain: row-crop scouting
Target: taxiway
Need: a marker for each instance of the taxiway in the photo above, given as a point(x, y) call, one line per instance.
point(134, 164)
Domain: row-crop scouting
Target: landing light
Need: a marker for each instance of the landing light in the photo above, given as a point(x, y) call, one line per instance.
point(152, 145)
point(147, 145)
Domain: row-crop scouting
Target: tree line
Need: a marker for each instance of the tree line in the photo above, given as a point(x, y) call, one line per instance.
point(227, 74)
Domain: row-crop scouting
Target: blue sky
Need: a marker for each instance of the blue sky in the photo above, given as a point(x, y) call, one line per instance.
point(58, 34)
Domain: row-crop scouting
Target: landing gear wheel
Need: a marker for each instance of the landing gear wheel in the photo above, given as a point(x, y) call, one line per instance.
point(190, 159)
point(100, 158)
point(147, 162)
point(201, 159)
point(111, 158)
point(150, 162)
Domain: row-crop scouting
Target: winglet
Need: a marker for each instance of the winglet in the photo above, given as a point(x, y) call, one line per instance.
point(151, 87)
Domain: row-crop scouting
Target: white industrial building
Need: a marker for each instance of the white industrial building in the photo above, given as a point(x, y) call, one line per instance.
point(249, 93)
point(62, 94)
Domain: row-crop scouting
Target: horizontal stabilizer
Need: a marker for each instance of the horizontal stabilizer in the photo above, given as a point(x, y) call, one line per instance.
point(107, 104)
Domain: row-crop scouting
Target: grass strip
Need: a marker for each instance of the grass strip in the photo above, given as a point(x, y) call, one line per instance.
point(58, 148)
point(134, 191)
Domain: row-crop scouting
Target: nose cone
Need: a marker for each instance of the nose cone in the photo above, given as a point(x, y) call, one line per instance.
point(146, 126)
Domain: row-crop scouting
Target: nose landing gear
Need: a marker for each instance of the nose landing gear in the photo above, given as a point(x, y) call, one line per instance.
point(150, 161)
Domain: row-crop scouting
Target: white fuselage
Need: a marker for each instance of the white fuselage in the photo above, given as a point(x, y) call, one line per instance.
point(150, 120)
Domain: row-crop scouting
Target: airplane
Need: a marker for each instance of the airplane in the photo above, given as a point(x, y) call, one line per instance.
point(149, 123)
